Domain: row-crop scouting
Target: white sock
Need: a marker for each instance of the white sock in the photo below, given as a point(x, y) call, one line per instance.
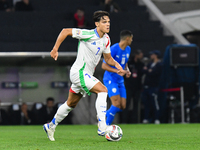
point(61, 113)
point(101, 106)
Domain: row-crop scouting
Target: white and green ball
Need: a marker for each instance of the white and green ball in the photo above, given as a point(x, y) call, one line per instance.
point(113, 133)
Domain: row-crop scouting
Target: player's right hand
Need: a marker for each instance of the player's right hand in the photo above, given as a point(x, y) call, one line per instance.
point(54, 54)
point(128, 74)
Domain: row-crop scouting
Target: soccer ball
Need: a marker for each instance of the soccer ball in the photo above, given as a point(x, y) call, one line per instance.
point(113, 133)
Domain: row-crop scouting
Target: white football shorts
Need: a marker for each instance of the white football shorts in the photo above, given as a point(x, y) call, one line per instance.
point(82, 82)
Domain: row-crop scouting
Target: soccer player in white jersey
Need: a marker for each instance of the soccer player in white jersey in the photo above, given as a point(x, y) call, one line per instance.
point(92, 44)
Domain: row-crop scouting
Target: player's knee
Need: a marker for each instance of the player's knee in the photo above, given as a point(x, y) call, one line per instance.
point(104, 89)
point(116, 103)
point(71, 104)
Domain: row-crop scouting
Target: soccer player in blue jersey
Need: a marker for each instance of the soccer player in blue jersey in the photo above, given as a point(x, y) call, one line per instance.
point(113, 81)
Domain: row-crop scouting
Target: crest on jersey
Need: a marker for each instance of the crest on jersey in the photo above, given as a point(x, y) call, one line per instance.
point(78, 32)
point(127, 55)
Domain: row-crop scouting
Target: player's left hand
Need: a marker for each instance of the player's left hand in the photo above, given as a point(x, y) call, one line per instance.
point(121, 72)
point(128, 74)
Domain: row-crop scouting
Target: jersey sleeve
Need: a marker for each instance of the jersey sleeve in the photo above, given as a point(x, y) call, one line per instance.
point(113, 51)
point(82, 33)
point(107, 48)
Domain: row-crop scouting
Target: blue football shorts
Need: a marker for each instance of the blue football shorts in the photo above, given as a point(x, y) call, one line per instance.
point(115, 88)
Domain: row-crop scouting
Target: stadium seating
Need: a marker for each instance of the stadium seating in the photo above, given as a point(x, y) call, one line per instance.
point(38, 30)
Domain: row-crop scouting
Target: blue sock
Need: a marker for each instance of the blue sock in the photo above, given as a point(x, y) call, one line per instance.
point(110, 114)
point(53, 121)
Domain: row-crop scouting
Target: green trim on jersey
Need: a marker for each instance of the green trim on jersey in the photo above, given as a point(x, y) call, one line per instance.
point(83, 81)
point(79, 44)
point(88, 32)
point(85, 40)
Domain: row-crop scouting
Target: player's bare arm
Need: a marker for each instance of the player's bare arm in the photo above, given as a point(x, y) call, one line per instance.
point(110, 61)
point(128, 73)
point(61, 37)
point(105, 66)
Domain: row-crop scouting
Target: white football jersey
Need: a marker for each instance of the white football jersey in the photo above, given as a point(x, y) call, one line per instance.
point(90, 49)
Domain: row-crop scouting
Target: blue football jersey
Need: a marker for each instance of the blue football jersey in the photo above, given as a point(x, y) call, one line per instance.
point(121, 56)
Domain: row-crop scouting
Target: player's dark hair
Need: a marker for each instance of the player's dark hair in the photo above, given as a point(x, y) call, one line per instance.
point(99, 14)
point(50, 99)
point(125, 33)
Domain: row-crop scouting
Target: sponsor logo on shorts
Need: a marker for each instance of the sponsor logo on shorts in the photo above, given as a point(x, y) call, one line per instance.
point(114, 90)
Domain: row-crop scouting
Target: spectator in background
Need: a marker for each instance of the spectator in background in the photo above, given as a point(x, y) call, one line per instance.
point(19, 115)
point(48, 110)
point(150, 92)
point(3, 116)
point(25, 115)
point(79, 18)
point(5, 6)
point(133, 88)
point(111, 6)
point(23, 5)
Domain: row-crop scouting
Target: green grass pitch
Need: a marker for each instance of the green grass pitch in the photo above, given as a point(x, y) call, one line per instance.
point(84, 137)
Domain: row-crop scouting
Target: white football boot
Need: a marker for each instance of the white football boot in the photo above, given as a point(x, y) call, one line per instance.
point(49, 131)
point(101, 127)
